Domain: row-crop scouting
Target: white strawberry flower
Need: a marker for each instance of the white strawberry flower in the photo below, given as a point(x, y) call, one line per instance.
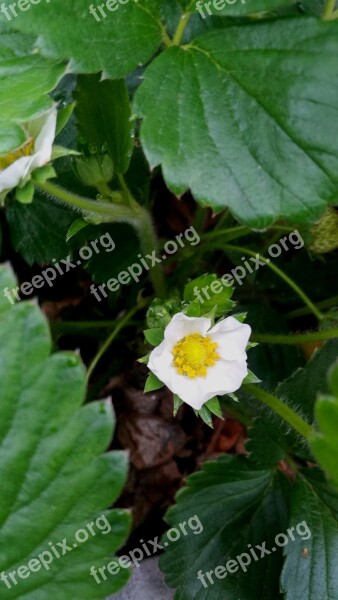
point(16, 167)
point(197, 361)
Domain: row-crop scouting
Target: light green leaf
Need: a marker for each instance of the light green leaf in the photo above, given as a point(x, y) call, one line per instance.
point(56, 478)
point(25, 80)
point(212, 99)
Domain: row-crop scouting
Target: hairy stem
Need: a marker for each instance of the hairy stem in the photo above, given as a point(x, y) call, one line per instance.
point(137, 216)
point(284, 411)
point(114, 212)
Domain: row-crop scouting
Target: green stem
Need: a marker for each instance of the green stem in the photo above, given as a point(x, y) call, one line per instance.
point(135, 215)
point(329, 10)
point(120, 325)
point(221, 233)
point(149, 244)
point(182, 24)
point(282, 275)
point(300, 312)
point(167, 41)
point(298, 338)
point(284, 411)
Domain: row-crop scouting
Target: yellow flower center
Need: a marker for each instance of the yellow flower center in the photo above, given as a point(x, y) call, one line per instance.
point(25, 150)
point(194, 354)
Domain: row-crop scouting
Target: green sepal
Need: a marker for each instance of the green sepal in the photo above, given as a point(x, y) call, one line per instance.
point(215, 408)
point(205, 414)
point(144, 360)
point(41, 174)
point(251, 378)
point(177, 404)
point(63, 117)
point(26, 193)
point(75, 227)
point(154, 336)
point(60, 152)
point(152, 383)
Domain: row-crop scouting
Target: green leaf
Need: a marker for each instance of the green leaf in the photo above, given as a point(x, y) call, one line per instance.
point(207, 293)
point(236, 507)
point(103, 113)
point(128, 36)
point(311, 568)
point(152, 383)
point(58, 479)
point(214, 98)
point(160, 313)
point(38, 230)
point(154, 336)
point(112, 265)
point(240, 7)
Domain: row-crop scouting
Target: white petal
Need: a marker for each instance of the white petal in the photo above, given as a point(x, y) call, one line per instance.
point(43, 129)
point(44, 141)
point(188, 390)
point(224, 377)
point(161, 363)
point(11, 177)
point(181, 325)
point(232, 338)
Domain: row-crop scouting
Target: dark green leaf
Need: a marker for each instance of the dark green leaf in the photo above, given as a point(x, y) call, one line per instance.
point(103, 114)
point(236, 507)
point(128, 35)
point(211, 100)
point(311, 568)
point(38, 230)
